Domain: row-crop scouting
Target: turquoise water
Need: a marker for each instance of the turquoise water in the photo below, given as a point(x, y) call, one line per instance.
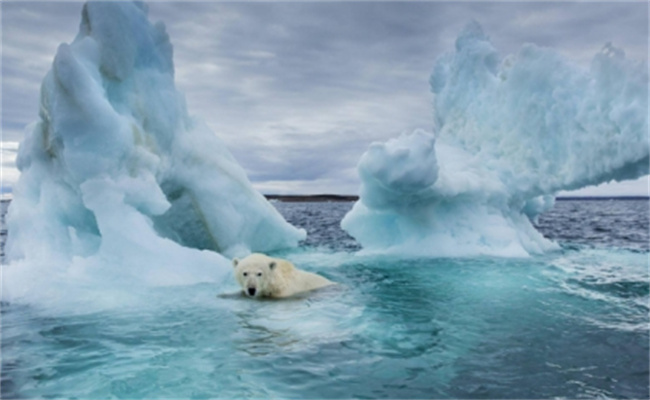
point(571, 324)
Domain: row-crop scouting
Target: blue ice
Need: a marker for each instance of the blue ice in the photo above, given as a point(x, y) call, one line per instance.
point(510, 132)
point(118, 180)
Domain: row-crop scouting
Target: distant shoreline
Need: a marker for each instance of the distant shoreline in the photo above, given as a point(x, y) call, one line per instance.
point(296, 198)
point(310, 198)
point(603, 198)
point(316, 198)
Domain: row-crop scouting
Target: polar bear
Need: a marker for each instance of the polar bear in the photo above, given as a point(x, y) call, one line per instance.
point(263, 276)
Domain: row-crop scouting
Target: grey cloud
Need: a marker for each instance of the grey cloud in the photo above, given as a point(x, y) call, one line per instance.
point(359, 68)
point(295, 156)
point(314, 45)
point(31, 33)
point(297, 91)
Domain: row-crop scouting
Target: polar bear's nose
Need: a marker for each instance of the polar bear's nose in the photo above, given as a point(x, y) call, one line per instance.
point(251, 291)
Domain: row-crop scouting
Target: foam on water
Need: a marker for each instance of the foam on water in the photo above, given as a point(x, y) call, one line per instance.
point(445, 328)
point(572, 324)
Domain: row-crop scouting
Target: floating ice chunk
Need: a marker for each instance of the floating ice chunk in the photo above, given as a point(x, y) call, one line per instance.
point(508, 135)
point(115, 169)
point(457, 214)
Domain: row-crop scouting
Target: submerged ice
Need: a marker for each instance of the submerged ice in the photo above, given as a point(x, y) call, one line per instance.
point(509, 134)
point(116, 176)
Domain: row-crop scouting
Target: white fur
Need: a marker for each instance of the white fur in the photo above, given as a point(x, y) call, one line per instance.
point(274, 277)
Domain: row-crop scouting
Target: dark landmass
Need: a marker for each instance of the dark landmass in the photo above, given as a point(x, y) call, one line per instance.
point(335, 197)
point(313, 198)
point(603, 198)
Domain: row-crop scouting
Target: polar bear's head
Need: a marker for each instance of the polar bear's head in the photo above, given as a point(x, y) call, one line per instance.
point(255, 274)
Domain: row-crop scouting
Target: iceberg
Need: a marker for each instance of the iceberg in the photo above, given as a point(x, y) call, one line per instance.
point(509, 134)
point(115, 172)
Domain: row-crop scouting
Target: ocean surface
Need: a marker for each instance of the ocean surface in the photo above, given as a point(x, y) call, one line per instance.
point(570, 324)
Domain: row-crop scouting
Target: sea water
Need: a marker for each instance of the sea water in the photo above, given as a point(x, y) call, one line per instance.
point(569, 324)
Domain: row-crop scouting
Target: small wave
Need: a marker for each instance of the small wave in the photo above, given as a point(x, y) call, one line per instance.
point(622, 289)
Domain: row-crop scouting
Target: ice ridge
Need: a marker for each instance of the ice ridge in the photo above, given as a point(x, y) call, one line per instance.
point(509, 133)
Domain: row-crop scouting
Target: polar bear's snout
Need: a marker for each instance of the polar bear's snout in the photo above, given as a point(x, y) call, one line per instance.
point(251, 291)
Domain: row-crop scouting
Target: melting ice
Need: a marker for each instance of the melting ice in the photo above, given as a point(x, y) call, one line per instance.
point(118, 179)
point(119, 184)
point(509, 134)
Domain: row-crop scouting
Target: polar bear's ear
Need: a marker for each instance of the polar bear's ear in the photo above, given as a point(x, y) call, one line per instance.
point(235, 261)
point(272, 265)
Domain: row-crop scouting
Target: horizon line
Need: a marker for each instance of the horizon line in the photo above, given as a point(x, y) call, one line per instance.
point(353, 197)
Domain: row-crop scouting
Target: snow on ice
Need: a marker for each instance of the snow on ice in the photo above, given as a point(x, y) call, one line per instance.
point(509, 134)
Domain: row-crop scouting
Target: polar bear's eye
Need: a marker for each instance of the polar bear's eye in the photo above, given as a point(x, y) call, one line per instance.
point(245, 274)
point(259, 274)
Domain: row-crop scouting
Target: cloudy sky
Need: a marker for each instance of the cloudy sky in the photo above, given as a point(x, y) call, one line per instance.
point(298, 90)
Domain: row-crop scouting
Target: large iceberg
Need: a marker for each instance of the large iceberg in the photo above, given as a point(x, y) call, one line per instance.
point(509, 134)
point(115, 172)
